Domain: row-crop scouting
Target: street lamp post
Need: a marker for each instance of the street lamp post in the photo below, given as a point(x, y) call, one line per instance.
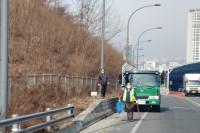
point(140, 49)
point(139, 40)
point(103, 35)
point(140, 56)
point(130, 19)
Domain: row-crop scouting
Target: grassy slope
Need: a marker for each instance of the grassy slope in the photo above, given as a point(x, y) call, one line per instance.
point(48, 40)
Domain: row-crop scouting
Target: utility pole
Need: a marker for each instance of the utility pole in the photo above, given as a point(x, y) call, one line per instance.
point(4, 61)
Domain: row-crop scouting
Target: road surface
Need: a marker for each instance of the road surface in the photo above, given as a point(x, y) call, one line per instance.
point(177, 116)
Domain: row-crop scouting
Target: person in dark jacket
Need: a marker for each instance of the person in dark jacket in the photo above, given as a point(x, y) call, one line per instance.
point(103, 81)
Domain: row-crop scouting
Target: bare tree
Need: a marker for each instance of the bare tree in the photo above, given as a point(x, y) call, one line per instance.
point(89, 16)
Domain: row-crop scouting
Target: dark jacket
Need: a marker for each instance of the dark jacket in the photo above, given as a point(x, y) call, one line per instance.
point(103, 79)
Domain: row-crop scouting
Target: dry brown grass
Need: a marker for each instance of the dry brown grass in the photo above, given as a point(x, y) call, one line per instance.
point(50, 40)
point(38, 98)
point(45, 39)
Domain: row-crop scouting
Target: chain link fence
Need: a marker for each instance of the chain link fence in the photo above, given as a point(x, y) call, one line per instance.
point(65, 82)
point(68, 86)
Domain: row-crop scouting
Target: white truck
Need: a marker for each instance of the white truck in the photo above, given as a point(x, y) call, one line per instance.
point(191, 84)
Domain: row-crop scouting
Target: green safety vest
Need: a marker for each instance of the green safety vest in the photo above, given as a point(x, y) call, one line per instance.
point(132, 97)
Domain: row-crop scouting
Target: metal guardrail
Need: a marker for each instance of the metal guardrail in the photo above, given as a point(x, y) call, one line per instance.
point(15, 121)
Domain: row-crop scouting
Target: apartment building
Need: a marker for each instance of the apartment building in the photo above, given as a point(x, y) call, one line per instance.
point(193, 36)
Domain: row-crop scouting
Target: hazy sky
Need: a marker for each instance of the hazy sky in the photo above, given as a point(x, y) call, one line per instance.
point(169, 42)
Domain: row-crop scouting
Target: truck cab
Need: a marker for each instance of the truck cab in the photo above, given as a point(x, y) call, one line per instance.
point(191, 84)
point(147, 87)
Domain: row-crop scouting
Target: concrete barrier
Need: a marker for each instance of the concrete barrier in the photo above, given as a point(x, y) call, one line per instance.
point(91, 115)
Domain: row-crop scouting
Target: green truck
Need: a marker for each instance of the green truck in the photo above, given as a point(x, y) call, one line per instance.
point(147, 87)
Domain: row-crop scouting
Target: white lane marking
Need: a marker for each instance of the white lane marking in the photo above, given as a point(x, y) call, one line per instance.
point(197, 98)
point(195, 103)
point(193, 99)
point(139, 122)
point(175, 107)
point(178, 108)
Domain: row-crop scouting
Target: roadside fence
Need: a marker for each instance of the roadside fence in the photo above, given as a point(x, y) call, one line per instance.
point(64, 81)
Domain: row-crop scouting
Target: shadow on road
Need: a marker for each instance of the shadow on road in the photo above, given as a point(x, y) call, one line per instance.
point(190, 95)
point(162, 109)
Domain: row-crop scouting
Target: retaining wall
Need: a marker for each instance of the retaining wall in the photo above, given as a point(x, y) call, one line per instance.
point(91, 115)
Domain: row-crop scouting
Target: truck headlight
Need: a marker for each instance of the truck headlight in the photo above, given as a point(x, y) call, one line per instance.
point(153, 97)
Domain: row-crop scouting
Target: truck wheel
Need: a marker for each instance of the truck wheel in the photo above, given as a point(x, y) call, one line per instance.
point(186, 94)
point(158, 108)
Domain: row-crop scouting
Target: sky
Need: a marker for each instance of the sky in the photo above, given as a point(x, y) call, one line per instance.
point(169, 42)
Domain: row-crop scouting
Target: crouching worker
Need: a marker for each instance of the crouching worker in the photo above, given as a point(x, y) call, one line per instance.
point(128, 97)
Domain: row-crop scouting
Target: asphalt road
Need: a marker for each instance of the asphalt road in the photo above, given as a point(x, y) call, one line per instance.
point(194, 99)
point(176, 116)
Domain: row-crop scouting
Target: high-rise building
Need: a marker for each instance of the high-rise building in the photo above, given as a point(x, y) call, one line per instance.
point(193, 36)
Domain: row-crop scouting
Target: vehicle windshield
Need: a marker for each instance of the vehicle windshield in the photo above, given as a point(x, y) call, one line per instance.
point(139, 80)
point(193, 82)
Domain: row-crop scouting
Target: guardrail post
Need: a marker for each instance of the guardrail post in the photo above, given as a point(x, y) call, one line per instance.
point(86, 80)
point(82, 80)
point(34, 79)
point(91, 85)
point(50, 78)
point(48, 118)
point(42, 78)
point(69, 112)
point(15, 127)
point(74, 111)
